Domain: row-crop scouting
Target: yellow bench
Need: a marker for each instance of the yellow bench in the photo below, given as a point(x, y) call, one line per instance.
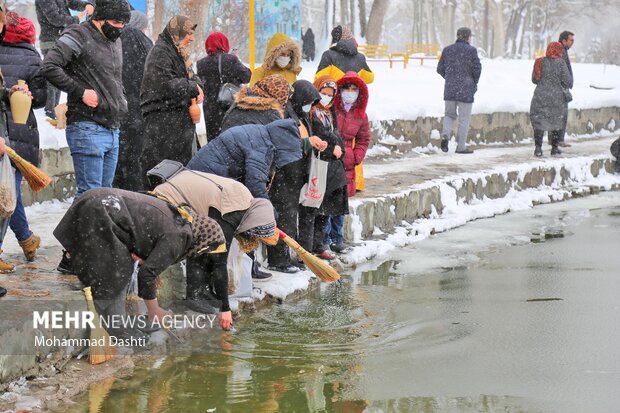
point(381, 53)
point(422, 51)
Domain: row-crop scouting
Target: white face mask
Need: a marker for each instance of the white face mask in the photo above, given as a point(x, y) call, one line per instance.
point(283, 61)
point(325, 99)
point(350, 97)
point(306, 108)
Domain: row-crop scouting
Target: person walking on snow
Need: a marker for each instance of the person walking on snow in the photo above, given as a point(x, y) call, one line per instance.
point(460, 66)
point(548, 107)
point(566, 39)
point(283, 57)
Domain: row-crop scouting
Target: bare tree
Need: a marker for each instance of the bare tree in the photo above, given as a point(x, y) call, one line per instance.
point(362, 8)
point(375, 21)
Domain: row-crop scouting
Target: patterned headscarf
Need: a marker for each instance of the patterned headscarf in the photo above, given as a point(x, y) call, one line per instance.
point(257, 225)
point(177, 28)
point(340, 33)
point(207, 236)
point(275, 87)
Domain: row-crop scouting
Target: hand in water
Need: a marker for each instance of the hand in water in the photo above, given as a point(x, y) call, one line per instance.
point(226, 320)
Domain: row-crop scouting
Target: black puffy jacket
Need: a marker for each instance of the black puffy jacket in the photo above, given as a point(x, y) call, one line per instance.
point(55, 15)
point(22, 61)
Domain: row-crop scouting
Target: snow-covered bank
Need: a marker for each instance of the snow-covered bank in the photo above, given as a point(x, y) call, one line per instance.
point(571, 177)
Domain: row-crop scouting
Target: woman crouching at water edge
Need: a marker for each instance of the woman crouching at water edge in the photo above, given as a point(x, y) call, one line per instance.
point(106, 230)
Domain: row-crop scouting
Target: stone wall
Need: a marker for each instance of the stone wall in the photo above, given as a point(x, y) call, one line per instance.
point(494, 127)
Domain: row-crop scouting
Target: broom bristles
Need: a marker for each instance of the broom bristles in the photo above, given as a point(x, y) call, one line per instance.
point(320, 268)
point(98, 354)
point(36, 178)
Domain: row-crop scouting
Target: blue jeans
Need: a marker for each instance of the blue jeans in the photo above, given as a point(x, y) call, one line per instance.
point(333, 230)
point(18, 221)
point(94, 150)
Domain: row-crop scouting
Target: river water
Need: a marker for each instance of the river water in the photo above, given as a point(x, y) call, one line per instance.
point(519, 313)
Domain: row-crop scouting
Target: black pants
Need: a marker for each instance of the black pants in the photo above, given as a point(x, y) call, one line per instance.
point(562, 131)
point(554, 137)
point(284, 195)
point(208, 270)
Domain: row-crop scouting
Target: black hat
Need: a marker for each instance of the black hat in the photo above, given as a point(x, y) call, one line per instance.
point(112, 10)
point(463, 33)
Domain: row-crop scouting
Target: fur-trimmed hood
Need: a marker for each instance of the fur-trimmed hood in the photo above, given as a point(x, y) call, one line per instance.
point(248, 101)
point(282, 43)
point(359, 107)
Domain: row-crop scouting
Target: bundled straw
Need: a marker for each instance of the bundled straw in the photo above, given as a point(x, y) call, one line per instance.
point(98, 354)
point(36, 178)
point(319, 267)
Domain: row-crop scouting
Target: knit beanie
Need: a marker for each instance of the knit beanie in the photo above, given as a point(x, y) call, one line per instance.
point(341, 33)
point(112, 10)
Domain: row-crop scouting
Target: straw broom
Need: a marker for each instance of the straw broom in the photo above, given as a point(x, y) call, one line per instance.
point(36, 178)
point(319, 267)
point(98, 354)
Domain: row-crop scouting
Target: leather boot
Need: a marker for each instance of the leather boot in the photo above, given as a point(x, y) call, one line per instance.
point(29, 246)
point(6, 267)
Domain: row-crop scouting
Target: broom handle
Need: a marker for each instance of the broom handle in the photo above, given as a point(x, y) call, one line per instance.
point(289, 241)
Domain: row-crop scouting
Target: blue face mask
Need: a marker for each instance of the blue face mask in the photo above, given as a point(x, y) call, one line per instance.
point(306, 108)
point(349, 96)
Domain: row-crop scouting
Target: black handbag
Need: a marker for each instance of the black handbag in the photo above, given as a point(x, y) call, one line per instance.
point(568, 97)
point(227, 92)
point(163, 171)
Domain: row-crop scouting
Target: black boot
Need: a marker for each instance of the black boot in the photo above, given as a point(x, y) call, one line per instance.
point(555, 141)
point(538, 151)
point(257, 273)
point(197, 298)
point(2, 292)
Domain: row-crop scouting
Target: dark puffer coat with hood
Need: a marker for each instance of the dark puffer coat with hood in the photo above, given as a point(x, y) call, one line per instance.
point(341, 58)
point(353, 127)
point(247, 153)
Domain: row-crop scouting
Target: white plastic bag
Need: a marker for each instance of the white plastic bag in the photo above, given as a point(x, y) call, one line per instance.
point(8, 197)
point(313, 191)
point(239, 272)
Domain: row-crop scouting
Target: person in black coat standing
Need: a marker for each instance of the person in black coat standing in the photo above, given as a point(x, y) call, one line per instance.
point(136, 46)
point(168, 87)
point(54, 16)
point(308, 47)
point(217, 68)
point(460, 67)
point(20, 60)
point(567, 39)
point(288, 181)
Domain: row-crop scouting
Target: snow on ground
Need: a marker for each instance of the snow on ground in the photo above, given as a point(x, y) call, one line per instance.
point(505, 86)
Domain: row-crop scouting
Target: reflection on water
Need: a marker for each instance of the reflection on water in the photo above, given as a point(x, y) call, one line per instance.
point(503, 331)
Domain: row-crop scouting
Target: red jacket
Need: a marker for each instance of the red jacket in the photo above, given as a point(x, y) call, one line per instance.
point(353, 127)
